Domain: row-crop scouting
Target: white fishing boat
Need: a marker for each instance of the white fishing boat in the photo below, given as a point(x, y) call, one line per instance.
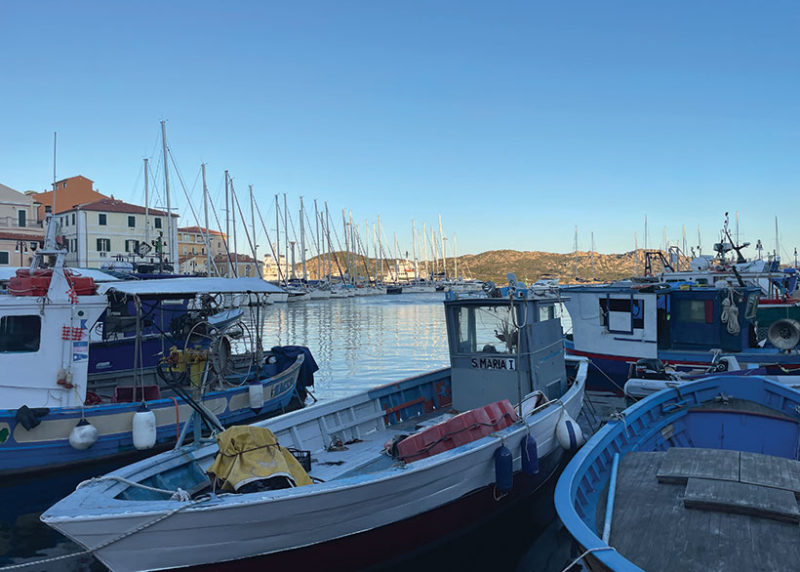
point(354, 481)
point(54, 415)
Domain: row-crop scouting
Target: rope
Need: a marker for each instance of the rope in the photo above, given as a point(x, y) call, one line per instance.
point(730, 314)
point(614, 383)
point(586, 553)
point(179, 495)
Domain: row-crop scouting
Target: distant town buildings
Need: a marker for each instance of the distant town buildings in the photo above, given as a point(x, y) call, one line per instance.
point(101, 231)
point(271, 269)
point(21, 230)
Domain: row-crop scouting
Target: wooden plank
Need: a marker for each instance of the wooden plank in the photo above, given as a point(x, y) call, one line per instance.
point(770, 471)
point(654, 530)
point(681, 463)
point(741, 498)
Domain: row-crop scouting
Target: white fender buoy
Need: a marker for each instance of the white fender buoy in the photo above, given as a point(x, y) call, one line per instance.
point(144, 428)
point(569, 433)
point(256, 391)
point(83, 435)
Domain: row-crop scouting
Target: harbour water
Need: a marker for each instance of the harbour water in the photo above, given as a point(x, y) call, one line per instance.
point(358, 343)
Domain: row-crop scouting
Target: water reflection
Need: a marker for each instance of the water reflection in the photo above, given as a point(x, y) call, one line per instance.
point(363, 342)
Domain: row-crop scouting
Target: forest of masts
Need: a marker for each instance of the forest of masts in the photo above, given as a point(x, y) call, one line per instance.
point(314, 249)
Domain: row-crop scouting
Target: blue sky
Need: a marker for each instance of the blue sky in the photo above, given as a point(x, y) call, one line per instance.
point(516, 121)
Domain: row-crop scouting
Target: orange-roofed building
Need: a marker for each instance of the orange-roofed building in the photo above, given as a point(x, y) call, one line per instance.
point(68, 193)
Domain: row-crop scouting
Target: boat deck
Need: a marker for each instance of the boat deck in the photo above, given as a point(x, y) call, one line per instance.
point(366, 455)
point(706, 509)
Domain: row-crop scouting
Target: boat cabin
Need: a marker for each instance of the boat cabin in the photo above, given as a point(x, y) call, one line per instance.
point(641, 319)
point(504, 348)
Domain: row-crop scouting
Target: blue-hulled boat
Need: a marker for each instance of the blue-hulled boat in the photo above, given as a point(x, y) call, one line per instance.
point(385, 472)
point(52, 416)
point(701, 477)
point(614, 325)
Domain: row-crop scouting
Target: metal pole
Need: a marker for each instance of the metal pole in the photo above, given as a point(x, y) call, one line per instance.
point(146, 204)
point(229, 273)
point(253, 224)
point(171, 242)
point(205, 211)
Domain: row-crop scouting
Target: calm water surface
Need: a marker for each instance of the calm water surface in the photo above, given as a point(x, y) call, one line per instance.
point(358, 343)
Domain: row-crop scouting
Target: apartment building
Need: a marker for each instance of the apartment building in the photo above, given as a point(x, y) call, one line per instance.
point(21, 230)
point(109, 229)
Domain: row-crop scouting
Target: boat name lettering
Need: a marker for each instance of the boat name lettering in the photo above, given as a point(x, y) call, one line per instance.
point(494, 363)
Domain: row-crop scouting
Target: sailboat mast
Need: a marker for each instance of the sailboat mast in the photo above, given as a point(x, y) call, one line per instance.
point(303, 239)
point(277, 237)
point(205, 214)
point(286, 234)
point(444, 253)
point(172, 246)
point(233, 225)
point(254, 244)
point(328, 237)
point(319, 244)
point(414, 250)
point(146, 204)
point(228, 223)
point(396, 261)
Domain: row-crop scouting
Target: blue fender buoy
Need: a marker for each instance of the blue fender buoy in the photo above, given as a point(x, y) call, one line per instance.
point(503, 469)
point(530, 455)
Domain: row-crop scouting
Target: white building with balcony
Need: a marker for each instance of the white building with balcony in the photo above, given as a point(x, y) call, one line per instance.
point(106, 230)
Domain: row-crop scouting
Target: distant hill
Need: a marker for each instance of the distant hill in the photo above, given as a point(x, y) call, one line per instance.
point(528, 266)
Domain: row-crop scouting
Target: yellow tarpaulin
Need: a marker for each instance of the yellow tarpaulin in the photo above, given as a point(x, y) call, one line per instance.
point(248, 453)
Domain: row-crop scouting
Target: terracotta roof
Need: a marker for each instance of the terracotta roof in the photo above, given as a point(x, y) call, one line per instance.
point(18, 236)
point(118, 206)
point(200, 230)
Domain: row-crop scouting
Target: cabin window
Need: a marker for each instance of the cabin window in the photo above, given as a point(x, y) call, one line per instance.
point(546, 312)
point(696, 311)
point(20, 333)
point(488, 329)
point(622, 315)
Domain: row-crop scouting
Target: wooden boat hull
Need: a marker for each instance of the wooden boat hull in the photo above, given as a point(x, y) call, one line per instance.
point(381, 501)
point(47, 447)
point(722, 415)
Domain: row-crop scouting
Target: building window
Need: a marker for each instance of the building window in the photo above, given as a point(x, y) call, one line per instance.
point(103, 245)
point(21, 218)
point(131, 222)
point(73, 245)
point(158, 223)
point(186, 250)
point(20, 333)
point(73, 218)
point(3, 257)
point(101, 219)
point(131, 246)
